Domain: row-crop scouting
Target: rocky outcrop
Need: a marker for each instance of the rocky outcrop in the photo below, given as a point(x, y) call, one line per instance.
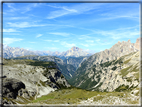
point(115, 52)
point(92, 72)
point(36, 79)
point(66, 69)
point(112, 75)
point(137, 44)
point(56, 77)
point(12, 88)
point(75, 61)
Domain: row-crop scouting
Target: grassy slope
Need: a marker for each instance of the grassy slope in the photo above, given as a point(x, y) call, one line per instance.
point(75, 96)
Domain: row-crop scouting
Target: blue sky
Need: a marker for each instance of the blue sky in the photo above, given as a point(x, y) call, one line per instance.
point(59, 26)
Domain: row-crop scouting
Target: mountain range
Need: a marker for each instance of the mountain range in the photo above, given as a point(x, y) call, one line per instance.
point(100, 67)
point(112, 70)
point(9, 52)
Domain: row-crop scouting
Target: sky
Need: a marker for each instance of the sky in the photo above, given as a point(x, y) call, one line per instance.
point(60, 26)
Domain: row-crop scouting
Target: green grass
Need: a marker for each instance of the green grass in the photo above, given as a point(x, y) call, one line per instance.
point(125, 71)
point(43, 98)
point(29, 62)
point(135, 69)
point(74, 96)
point(70, 95)
point(136, 75)
point(125, 62)
point(43, 83)
point(129, 79)
point(122, 88)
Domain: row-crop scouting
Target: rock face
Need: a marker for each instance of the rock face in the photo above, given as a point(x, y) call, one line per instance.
point(9, 52)
point(67, 66)
point(115, 52)
point(92, 74)
point(32, 79)
point(55, 76)
point(111, 75)
point(75, 52)
point(75, 61)
point(12, 88)
point(137, 44)
point(66, 69)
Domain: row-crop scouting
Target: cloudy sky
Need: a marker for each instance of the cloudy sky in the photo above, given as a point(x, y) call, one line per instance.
point(60, 26)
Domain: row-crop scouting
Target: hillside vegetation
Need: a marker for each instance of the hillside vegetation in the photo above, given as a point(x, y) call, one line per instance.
point(111, 75)
point(78, 96)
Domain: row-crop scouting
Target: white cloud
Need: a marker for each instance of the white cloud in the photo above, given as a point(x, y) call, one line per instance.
point(10, 30)
point(76, 9)
point(63, 7)
point(51, 40)
point(11, 40)
point(39, 35)
point(116, 14)
point(60, 34)
point(51, 48)
point(105, 43)
point(86, 45)
point(24, 24)
point(15, 18)
point(30, 7)
point(97, 40)
point(56, 40)
point(11, 6)
point(120, 33)
point(32, 42)
point(64, 11)
point(28, 48)
point(92, 44)
point(112, 17)
point(90, 51)
point(65, 44)
point(48, 40)
point(90, 41)
point(84, 37)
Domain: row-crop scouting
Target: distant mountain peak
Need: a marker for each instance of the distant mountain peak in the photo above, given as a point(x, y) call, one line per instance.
point(129, 41)
point(75, 48)
point(75, 52)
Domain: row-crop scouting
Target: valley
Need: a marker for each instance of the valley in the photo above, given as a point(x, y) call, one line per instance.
point(107, 77)
point(71, 53)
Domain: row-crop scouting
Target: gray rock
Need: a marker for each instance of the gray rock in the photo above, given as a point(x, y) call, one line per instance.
point(11, 87)
point(110, 72)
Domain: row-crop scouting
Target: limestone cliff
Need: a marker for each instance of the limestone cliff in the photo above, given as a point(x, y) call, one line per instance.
point(38, 78)
point(112, 75)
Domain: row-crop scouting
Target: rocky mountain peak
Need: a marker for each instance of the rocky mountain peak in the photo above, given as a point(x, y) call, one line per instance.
point(9, 52)
point(75, 48)
point(137, 43)
point(129, 41)
point(75, 52)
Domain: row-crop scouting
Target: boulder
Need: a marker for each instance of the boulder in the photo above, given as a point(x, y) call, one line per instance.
point(11, 87)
